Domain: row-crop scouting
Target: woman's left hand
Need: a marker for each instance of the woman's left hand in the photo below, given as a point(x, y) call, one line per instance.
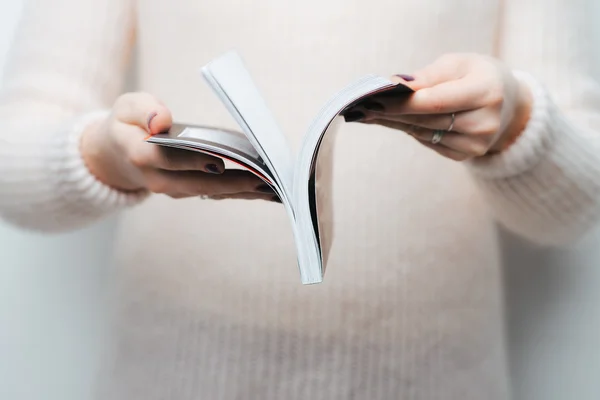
point(464, 106)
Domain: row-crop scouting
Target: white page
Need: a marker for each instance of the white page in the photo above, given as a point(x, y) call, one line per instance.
point(232, 82)
point(229, 145)
point(222, 137)
point(312, 238)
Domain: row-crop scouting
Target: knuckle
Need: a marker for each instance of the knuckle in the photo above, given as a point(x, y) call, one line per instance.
point(140, 157)
point(465, 125)
point(437, 104)
point(495, 95)
point(478, 148)
point(489, 128)
point(433, 102)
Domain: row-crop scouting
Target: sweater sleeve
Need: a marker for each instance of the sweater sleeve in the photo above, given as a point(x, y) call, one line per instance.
point(546, 186)
point(65, 69)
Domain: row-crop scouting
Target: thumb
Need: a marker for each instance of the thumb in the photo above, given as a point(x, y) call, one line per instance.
point(143, 110)
point(446, 68)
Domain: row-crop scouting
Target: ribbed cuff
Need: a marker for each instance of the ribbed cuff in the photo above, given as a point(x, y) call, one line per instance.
point(546, 186)
point(45, 184)
point(78, 186)
point(530, 147)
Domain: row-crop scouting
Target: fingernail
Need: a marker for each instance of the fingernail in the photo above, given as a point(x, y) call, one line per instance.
point(212, 168)
point(353, 116)
point(150, 118)
point(276, 199)
point(373, 106)
point(407, 78)
point(264, 188)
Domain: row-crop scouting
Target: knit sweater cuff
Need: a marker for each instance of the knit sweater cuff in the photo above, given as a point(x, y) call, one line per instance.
point(45, 184)
point(79, 186)
point(532, 144)
point(545, 186)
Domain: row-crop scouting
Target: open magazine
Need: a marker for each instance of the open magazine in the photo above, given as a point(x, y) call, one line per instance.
point(303, 183)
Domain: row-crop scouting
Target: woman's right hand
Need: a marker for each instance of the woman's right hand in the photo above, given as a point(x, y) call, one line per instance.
point(115, 151)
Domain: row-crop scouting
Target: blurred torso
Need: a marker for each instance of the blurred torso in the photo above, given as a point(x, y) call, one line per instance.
point(212, 305)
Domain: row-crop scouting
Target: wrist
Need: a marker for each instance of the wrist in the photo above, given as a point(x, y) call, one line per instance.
point(105, 161)
point(519, 121)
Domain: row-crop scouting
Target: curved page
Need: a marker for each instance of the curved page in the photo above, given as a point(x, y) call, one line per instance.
point(232, 146)
point(231, 82)
point(313, 186)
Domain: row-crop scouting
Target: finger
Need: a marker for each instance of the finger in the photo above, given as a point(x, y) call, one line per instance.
point(447, 152)
point(412, 130)
point(430, 121)
point(449, 67)
point(248, 196)
point(198, 183)
point(473, 146)
point(470, 145)
point(149, 156)
point(447, 97)
point(477, 122)
point(445, 68)
point(438, 148)
point(143, 110)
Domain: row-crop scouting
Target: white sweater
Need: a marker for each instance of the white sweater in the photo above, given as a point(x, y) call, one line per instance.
point(210, 304)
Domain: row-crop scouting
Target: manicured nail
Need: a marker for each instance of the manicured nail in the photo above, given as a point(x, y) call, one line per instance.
point(264, 188)
point(353, 116)
point(373, 106)
point(407, 78)
point(212, 168)
point(150, 118)
point(276, 199)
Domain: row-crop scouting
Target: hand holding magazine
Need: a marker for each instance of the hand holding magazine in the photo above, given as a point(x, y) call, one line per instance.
point(302, 183)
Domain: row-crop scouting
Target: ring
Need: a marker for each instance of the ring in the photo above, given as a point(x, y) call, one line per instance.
point(438, 134)
point(452, 122)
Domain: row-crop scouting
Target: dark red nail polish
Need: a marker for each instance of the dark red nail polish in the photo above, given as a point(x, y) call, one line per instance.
point(264, 188)
point(212, 168)
point(407, 78)
point(353, 116)
point(150, 118)
point(373, 106)
point(276, 199)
